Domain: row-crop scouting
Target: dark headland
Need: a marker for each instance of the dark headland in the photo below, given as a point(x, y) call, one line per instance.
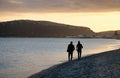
point(102, 65)
point(30, 28)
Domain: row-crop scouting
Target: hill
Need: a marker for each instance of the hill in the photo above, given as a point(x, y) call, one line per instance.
point(29, 28)
point(114, 32)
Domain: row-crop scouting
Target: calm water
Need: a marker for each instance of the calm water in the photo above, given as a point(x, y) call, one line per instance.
point(21, 57)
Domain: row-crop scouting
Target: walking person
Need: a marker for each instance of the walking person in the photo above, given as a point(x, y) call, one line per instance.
point(70, 50)
point(79, 47)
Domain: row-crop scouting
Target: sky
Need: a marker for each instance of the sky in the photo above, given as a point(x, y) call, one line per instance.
point(99, 15)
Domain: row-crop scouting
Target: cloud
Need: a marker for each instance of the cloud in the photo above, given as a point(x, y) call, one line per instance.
point(59, 5)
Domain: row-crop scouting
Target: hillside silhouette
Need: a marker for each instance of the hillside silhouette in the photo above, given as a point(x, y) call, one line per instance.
point(29, 28)
point(109, 32)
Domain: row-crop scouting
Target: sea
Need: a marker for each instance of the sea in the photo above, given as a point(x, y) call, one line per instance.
point(22, 57)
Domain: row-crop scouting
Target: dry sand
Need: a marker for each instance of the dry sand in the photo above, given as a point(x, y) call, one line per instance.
point(103, 65)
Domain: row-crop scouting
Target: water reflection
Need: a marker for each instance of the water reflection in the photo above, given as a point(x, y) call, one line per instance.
point(26, 56)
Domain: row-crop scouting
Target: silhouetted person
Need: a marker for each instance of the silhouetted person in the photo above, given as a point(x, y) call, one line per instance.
point(79, 49)
point(70, 50)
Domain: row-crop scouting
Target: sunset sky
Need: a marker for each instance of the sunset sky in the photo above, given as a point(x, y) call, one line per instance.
point(99, 15)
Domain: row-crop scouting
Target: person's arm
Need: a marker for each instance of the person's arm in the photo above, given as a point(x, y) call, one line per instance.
point(68, 48)
point(81, 45)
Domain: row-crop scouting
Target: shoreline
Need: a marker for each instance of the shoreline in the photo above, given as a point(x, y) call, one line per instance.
point(102, 65)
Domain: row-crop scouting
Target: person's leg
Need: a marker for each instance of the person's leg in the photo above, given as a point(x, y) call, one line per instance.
point(71, 55)
point(68, 56)
point(78, 54)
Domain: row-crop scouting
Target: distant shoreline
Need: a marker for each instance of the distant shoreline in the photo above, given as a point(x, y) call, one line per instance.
point(31, 28)
point(102, 65)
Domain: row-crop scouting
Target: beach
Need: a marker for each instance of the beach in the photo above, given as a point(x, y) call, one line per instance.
point(102, 65)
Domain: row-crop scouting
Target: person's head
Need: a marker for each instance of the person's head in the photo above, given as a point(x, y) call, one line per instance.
point(71, 42)
point(79, 42)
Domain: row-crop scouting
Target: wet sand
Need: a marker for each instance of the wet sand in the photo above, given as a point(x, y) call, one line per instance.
point(102, 65)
